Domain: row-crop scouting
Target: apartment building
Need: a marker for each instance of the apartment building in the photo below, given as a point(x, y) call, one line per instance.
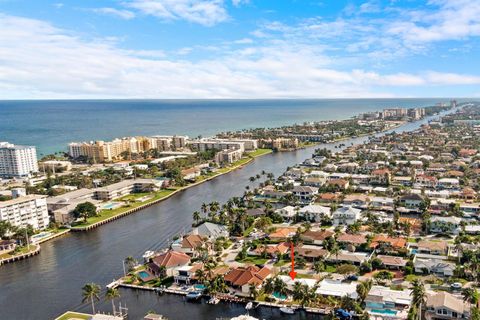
point(17, 161)
point(26, 210)
point(228, 156)
point(214, 144)
point(101, 151)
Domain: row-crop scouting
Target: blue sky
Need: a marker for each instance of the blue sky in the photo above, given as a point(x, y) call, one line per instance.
point(239, 49)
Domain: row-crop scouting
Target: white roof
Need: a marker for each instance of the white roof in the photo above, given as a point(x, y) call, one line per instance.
point(388, 295)
point(337, 288)
point(289, 282)
point(315, 208)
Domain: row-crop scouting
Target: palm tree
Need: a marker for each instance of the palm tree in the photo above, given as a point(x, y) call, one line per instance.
point(253, 291)
point(200, 275)
point(470, 295)
point(363, 288)
point(280, 286)
point(418, 296)
point(298, 292)
point(131, 263)
point(268, 286)
point(90, 291)
point(196, 216)
point(112, 294)
point(204, 208)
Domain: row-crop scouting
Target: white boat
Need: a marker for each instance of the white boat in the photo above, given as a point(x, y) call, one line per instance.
point(147, 255)
point(287, 310)
point(112, 285)
point(193, 295)
point(249, 306)
point(213, 300)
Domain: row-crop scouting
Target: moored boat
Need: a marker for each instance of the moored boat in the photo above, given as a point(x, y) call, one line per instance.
point(193, 295)
point(287, 310)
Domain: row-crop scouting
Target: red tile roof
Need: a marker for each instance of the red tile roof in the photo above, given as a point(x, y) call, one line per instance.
point(171, 259)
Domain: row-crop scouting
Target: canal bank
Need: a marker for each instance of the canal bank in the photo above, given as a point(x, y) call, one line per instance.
point(51, 282)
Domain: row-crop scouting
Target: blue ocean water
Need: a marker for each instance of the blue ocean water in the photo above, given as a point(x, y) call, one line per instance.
point(51, 124)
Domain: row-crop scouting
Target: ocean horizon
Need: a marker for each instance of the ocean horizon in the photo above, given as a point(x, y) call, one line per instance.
point(51, 124)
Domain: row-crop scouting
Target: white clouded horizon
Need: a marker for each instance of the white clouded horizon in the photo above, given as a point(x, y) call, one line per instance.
point(40, 60)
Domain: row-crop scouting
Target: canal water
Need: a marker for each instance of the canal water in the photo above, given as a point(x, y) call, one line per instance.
point(46, 285)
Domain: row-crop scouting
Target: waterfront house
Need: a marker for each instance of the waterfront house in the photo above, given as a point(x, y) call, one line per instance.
point(382, 203)
point(287, 212)
point(392, 262)
point(449, 183)
point(7, 246)
point(337, 289)
point(271, 250)
point(329, 198)
point(304, 194)
point(356, 200)
point(311, 252)
point(444, 225)
point(356, 258)
point(339, 184)
point(314, 213)
point(387, 304)
point(282, 234)
point(443, 305)
point(211, 230)
point(255, 212)
point(346, 216)
point(380, 177)
point(431, 265)
point(386, 243)
point(434, 247)
point(316, 237)
point(240, 279)
point(412, 201)
point(165, 264)
point(351, 239)
point(190, 244)
point(186, 274)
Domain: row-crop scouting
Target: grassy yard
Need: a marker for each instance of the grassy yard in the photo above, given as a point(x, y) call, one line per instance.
point(253, 260)
point(330, 268)
point(73, 316)
point(280, 263)
point(106, 214)
point(17, 252)
point(259, 152)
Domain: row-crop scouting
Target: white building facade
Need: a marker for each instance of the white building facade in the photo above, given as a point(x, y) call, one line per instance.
point(23, 211)
point(17, 161)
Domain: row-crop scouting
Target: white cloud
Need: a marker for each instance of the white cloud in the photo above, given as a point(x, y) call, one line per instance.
point(444, 20)
point(204, 12)
point(238, 3)
point(124, 14)
point(97, 68)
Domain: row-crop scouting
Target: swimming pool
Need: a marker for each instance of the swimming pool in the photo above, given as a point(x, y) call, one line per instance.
point(200, 287)
point(279, 296)
point(111, 205)
point(39, 236)
point(143, 274)
point(384, 311)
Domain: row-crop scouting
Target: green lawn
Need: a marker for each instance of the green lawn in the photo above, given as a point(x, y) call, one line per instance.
point(259, 152)
point(253, 260)
point(106, 214)
point(280, 263)
point(330, 268)
point(17, 252)
point(73, 315)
